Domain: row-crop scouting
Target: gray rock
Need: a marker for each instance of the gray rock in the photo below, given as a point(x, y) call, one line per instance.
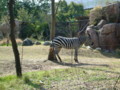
point(37, 43)
point(47, 43)
point(27, 42)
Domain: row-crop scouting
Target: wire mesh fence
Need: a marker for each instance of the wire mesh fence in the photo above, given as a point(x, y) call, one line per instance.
point(96, 70)
point(70, 29)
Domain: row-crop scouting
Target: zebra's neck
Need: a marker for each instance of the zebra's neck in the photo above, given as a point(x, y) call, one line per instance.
point(82, 39)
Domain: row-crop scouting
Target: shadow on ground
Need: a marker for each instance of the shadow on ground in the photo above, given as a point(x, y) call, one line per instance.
point(36, 86)
point(79, 65)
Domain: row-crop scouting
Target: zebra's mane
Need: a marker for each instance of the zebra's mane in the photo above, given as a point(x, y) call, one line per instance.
point(71, 37)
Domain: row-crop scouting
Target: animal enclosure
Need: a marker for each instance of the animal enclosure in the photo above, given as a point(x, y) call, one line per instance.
point(96, 68)
point(33, 59)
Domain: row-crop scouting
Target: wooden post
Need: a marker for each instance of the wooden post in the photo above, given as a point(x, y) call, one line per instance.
point(12, 37)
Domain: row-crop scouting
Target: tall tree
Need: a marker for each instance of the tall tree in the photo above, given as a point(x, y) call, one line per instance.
point(52, 33)
point(51, 55)
point(68, 12)
point(75, 10)
point(3, 8)
point(12, 37)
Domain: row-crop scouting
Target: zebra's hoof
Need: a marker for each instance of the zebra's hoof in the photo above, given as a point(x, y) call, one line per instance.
point(77, 62)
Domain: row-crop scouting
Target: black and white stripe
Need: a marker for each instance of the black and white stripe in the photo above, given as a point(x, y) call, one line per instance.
point(69, 43)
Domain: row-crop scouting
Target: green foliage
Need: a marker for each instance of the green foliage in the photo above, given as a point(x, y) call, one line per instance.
point(27, 30)
point(26, 79)
point(118, 52)
point(68, 12)
point(96, 15)
point(34, 15)
point(75, 10)
point(3, 7)
point(86, 12)
point(2, 87)
point(23, 15)
point(42, 29)
point(35, 30)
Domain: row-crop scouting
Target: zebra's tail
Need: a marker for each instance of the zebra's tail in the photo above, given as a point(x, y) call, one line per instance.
point(52, 45)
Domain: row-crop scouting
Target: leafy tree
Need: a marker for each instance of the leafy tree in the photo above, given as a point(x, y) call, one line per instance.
point(42, 31)
point(62, 14)
point(63, 7)
point(75, 10)
point(33, 15)
point(23, 15)
point(27, 30)
point(3, 8)
point(69, 12)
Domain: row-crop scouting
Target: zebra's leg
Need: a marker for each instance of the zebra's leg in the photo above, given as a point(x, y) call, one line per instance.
point(7, 42)
point(54, 51)
point(76, 56)
point(59, 57)
point(57, 50)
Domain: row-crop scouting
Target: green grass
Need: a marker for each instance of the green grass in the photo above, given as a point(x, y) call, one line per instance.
point(44, 79)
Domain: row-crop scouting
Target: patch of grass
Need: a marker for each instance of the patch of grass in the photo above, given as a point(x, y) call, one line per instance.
point(7, 78)
point(97, 78)
point(2, 87)
point(26, 79)
point(44, 79)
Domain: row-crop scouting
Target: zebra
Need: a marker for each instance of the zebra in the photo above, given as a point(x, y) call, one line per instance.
point(69, 43)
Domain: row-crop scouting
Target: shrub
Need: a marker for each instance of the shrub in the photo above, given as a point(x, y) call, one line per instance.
point(96, 15)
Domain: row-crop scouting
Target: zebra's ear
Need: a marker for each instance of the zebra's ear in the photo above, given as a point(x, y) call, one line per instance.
point(88, 34)
point(81, 33)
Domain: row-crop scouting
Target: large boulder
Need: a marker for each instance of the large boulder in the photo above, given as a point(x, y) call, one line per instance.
point(106, 22)
point(110, 13)
point(109, 36)
point(109, 42)
point(108, 28)
point(93, 35)
point(100, 24)
point(117, 30)
point(27, 42)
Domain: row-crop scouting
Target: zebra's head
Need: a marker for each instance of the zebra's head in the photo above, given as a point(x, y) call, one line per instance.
point(88, 41)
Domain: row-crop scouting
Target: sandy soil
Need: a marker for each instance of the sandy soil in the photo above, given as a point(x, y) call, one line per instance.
point(35, 58)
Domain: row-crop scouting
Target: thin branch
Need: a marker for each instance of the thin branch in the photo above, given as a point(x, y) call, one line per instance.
point(57, 7)
point(116, 81)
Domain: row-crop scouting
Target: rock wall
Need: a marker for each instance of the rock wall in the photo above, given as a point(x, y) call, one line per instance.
point(106, 27)
point(110, 13)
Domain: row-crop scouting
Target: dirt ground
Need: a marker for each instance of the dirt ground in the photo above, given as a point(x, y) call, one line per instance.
point(35, 58)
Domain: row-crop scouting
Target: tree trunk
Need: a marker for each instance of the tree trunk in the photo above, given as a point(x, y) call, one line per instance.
point(12, 37)
point(52, 32)
point(51, 55)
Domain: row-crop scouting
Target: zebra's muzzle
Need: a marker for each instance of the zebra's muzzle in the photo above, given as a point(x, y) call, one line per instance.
point(92, 43)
